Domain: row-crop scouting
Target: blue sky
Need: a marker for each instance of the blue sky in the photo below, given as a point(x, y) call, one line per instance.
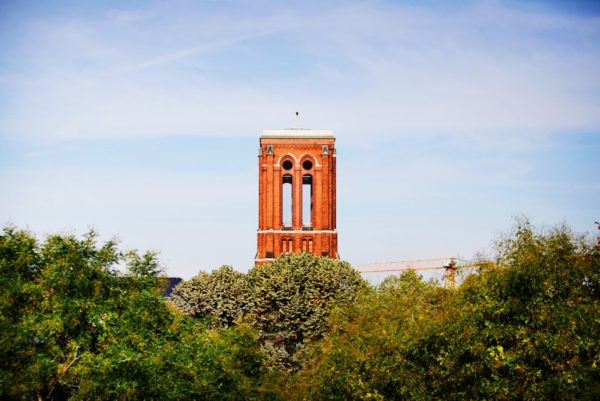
point(141, 119)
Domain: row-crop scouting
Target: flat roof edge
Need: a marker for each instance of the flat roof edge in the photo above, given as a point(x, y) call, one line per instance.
point(297, 133)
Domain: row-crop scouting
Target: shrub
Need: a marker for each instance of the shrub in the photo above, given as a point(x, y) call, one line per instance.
point(287, 301)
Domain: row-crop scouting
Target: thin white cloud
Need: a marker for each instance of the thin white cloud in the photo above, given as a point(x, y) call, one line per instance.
point(258, 28)
point(388, 70)
point(485, 81)
point(125, 17)
point(206, 47)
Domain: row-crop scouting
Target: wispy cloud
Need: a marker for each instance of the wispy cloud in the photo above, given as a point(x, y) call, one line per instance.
point(455, 110)
point(207, 47)
point(480, 70)
point(286, 21)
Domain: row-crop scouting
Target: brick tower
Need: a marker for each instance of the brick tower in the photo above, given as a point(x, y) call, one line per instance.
point(296, 194)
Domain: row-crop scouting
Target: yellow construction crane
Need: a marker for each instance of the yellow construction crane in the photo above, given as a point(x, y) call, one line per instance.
point(450, 265)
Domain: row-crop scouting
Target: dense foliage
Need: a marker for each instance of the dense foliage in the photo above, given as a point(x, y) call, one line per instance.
point(71, 327)
point(524, 327)
point(220, 297)
point(527, 327)
point(287, 301)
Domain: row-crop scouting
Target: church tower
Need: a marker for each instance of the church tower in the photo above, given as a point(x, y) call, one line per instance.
point(296, 194)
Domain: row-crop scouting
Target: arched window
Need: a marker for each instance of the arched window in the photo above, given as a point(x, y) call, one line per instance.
point(307, 245)
point(287, 246)
point(286, 194)
point(307, 200)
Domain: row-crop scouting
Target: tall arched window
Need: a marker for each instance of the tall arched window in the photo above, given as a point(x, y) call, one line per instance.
point(286, 193)
point(307, 203)
point(307, 193)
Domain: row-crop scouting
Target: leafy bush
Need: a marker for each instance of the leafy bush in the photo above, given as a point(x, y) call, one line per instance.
point(286, 301)
point(221, 296)
point(292, 297)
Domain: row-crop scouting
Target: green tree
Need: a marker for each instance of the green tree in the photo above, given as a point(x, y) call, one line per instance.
point(291, 299)
point(287, 301)
point(74, 328)
point(525, 327)
point(370, 349)
point(220, 296)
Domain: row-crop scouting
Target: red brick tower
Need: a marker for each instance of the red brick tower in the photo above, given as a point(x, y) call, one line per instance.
point(296, 194)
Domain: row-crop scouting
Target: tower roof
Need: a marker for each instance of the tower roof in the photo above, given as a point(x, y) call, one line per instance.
point(297, 133)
